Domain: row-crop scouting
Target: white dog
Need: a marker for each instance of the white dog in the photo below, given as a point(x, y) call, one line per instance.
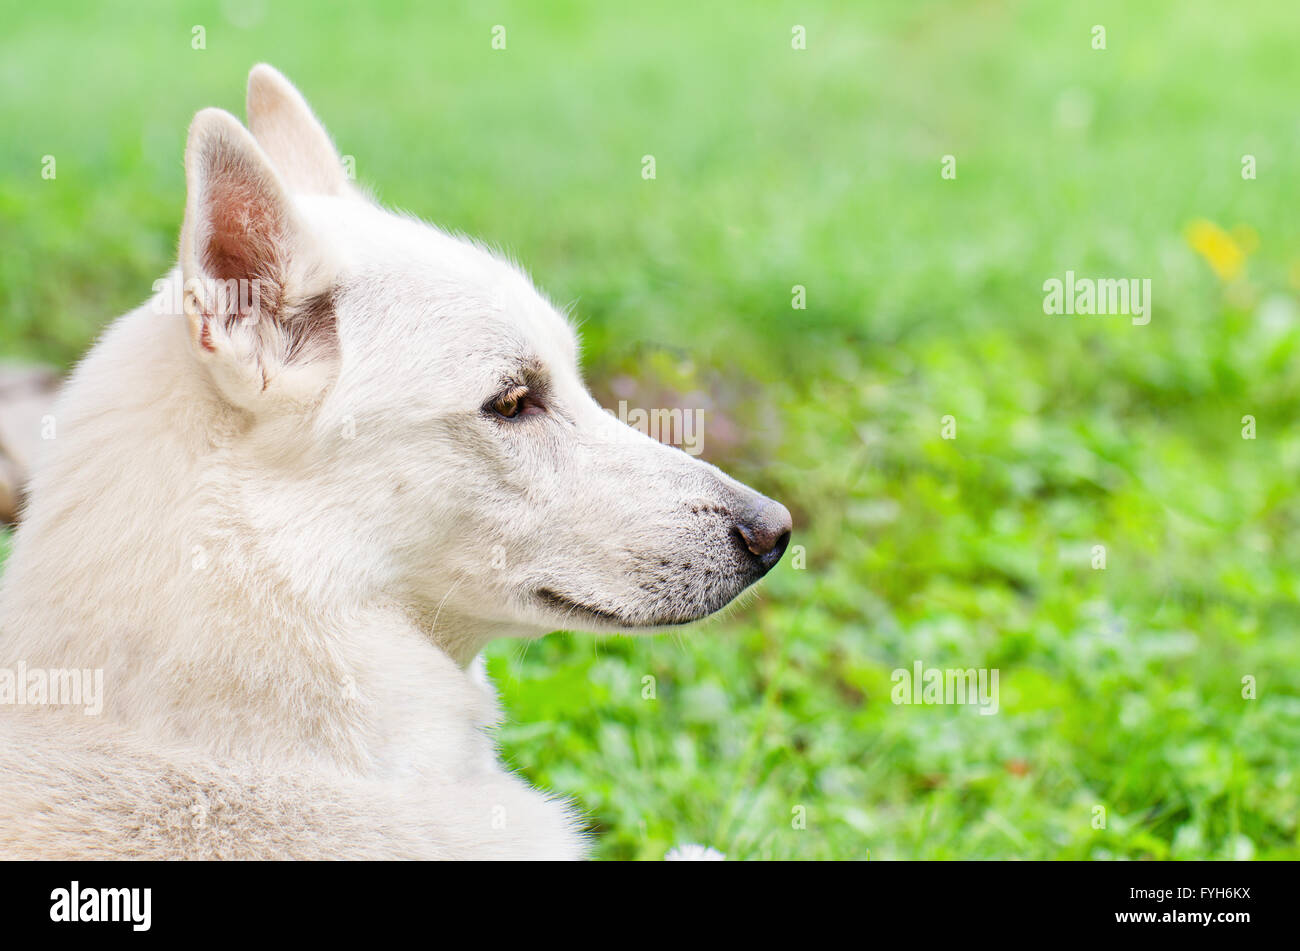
point(283, 530)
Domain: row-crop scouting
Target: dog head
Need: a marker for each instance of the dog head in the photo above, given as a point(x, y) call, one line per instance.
point(406, 413)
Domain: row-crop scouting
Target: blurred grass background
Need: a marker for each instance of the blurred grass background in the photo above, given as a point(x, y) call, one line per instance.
point(1120, 688)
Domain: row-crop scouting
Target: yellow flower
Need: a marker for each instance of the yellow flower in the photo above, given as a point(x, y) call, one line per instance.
point(1220, 250)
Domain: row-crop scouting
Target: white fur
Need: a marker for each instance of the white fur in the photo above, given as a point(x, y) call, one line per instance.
point(285, 560)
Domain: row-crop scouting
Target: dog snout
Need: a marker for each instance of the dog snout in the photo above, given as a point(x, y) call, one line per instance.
point(764, 530)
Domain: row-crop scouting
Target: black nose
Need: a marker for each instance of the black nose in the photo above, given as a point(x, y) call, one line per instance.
point(765, 531)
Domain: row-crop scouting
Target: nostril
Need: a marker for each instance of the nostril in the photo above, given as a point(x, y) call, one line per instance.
point(773, 556)
point(748, 540)
point(766, 534)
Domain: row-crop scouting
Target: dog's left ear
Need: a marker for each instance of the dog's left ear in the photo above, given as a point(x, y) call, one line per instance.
point(285, 128)
point(259, 282)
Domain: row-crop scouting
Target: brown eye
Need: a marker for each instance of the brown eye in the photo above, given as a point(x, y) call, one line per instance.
point(508, 406)
point(516, 402)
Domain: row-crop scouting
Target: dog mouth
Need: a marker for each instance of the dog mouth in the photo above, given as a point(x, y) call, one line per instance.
point(576, 610)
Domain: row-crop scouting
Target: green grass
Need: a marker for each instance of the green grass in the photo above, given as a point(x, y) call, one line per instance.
point(1120, 688)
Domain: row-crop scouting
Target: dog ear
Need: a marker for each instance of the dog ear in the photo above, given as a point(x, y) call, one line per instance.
point(292, 136)
point(258, 283)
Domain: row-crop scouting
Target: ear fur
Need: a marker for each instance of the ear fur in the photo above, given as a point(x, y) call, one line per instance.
point(288, 131)
point(258, 284)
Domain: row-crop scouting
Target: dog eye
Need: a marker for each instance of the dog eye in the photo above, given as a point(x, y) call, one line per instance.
point(507, 406)
point(515, 403)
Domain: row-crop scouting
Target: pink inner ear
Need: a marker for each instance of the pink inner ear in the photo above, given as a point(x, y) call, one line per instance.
point(245, 237)
point(245, 234)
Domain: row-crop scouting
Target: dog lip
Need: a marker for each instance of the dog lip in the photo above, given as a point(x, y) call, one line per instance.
point(559, 602)
point(568, 606)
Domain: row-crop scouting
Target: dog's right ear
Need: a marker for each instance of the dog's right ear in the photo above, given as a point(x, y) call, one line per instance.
point(258, 283)
point(286, 128)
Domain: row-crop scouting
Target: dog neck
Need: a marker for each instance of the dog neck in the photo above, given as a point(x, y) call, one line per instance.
point(133, 557)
